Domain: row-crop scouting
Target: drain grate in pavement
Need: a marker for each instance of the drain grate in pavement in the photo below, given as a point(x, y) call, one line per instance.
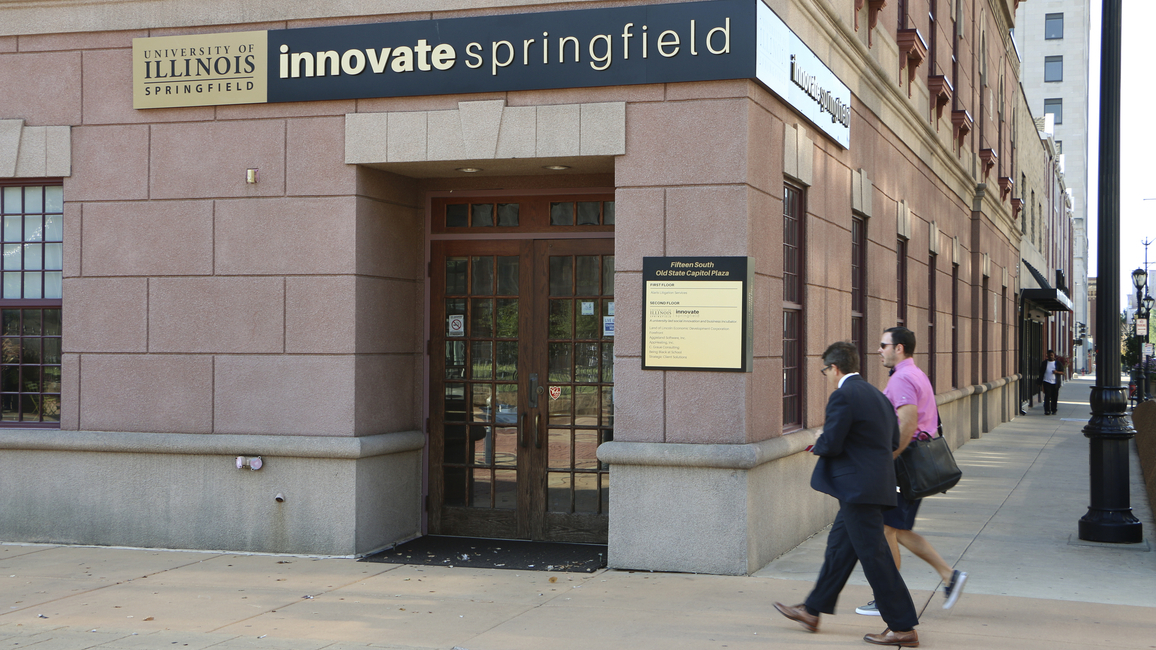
point(473, 552)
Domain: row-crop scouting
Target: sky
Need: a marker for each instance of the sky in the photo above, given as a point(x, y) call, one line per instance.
point(1137, 96)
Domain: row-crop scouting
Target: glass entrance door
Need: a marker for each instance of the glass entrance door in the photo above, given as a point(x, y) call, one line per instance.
point(522, 379)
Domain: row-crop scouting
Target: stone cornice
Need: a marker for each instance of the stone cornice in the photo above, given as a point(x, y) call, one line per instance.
point(743, 456)
point(342, 447)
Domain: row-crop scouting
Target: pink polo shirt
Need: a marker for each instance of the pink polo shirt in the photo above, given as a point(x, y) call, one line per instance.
point(910, 386)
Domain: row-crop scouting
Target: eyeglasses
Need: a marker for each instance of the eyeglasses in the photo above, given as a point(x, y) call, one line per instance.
point(826, 368)
point(883, 346)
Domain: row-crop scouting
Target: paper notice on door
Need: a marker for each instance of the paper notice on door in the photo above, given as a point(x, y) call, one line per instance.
point(455, 326)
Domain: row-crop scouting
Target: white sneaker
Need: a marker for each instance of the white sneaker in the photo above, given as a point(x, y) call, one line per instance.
point(953, 590)
point(868, 610)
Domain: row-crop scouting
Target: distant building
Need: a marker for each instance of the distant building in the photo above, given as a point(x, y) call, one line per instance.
point(1053, 39)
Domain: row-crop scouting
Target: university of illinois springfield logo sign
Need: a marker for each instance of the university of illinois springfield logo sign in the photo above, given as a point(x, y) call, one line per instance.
point(200, 70)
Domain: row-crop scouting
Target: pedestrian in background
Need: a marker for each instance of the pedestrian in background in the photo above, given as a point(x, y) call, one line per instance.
point(1050, 376)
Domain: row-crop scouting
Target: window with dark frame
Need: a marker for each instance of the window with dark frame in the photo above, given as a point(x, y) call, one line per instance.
point(1032, 227)
point(1055, 106)
point(901, 282)
point(955, 326)
point(1053, 68)
point(30, 302)
point(1053, 26)
point(1003, 334)
point(955, 38)
point(859, 287)
point(932, 37)
point(792, 307)
point(932, 308)
point(985, 341)
point(1023, 212)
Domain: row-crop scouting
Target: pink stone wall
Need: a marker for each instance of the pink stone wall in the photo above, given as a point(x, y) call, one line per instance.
point(196, 302)
point(686, 189)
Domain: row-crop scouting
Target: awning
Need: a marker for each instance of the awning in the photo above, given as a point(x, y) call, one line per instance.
point(1046, 297)
point(1049, 299)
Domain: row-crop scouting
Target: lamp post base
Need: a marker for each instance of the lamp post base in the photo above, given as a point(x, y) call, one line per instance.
point(1111, 526)
point(1109, 518)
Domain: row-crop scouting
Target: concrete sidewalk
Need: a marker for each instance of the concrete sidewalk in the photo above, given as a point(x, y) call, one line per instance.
point(1010, 524)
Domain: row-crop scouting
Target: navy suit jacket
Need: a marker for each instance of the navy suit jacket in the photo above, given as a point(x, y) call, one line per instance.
point(859, 434)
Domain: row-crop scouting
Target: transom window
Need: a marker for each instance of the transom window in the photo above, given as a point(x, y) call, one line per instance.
point(33, 236)
point(523, 214)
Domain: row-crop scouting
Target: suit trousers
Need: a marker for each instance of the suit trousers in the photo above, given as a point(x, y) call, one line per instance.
point(857, 536)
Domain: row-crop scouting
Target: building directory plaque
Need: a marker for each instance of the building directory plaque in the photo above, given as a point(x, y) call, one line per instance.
point(697, 313)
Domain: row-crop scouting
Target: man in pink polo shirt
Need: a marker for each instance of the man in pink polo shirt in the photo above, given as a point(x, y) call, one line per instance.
point(911, 394)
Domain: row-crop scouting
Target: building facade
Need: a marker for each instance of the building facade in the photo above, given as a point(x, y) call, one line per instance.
point(302, 279)
point(1054, 39)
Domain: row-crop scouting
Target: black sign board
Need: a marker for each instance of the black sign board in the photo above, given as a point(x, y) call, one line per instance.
point(530, 51)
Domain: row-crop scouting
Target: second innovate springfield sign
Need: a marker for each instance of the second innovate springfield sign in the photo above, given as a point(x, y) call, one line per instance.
point(697, 313)
point(694, 41)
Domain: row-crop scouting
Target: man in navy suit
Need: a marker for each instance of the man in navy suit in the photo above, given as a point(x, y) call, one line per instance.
point(855, 466)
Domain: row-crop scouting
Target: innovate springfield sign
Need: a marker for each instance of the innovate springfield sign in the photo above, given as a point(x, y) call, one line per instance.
point(697, 313)
point(696, 41)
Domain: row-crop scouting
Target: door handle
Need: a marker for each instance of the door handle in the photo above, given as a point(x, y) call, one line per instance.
point(537, 430)
point(533, 397)
point(521, 431)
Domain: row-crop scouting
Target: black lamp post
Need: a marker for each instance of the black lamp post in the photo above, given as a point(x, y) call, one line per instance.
point(1109, 517)
point(1147, 302)
point(1139, 280)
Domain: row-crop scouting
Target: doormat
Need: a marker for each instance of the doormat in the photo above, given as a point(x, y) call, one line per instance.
point(478, 553)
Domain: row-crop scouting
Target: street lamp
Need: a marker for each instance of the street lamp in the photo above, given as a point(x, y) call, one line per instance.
point(1139, 280)
point(1109, 517)
point(1147, 302)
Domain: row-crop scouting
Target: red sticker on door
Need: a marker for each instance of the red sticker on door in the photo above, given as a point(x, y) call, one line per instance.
point(555, 392)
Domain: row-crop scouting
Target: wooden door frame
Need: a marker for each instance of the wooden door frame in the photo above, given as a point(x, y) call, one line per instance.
point(428, 501)
point(557, 526)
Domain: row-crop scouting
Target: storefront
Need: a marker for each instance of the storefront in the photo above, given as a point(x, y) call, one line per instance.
point(402, 259)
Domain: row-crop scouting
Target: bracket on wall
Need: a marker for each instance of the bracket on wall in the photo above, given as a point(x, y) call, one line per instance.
point(1006, 184)
point(988, 156)
point(873, 9)
point(912, 53)
point(963, 124)
point(941, 91)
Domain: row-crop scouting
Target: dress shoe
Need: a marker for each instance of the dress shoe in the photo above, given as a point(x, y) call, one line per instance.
point(908, 639)
point(799, 613)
